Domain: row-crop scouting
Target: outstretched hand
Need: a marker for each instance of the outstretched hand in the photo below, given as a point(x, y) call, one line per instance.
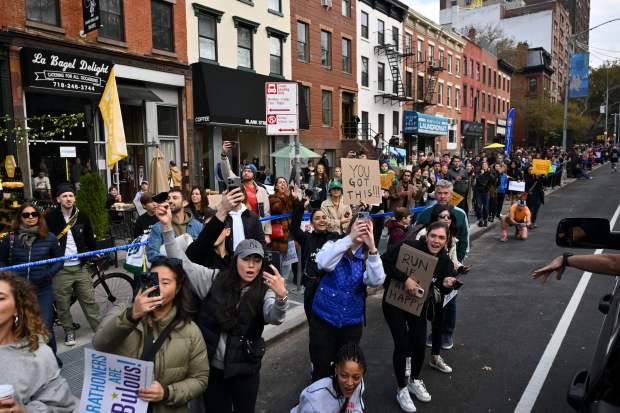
point(554, 266)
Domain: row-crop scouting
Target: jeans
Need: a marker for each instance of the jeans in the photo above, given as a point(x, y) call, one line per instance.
point(235, 394)
point(499, 203)
point(45, 297)
point(482, 205)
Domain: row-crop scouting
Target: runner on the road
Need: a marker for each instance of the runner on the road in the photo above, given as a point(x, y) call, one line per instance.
point(615, 154)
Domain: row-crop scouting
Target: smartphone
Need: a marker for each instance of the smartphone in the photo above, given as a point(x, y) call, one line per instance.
point(148, 280)
point(233, 183)
point(272, 258)
point(363, 216)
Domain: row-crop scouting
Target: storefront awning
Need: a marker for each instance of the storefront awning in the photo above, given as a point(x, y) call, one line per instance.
point(232, 96)
point(136, 92)
point(473, 129)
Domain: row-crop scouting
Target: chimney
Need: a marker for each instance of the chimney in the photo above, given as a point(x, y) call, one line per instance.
point(522, 51)
point(472, 34)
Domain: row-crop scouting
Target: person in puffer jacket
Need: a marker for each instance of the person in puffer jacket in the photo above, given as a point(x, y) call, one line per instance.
point(30, 241)
point(349, 266)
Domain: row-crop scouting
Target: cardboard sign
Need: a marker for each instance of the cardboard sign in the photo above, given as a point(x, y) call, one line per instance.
point(516, 186)
point(456, 199)
point(111, 383)
point(361, 181)
point(540, 166)
point(419, 266)
point(214, 200)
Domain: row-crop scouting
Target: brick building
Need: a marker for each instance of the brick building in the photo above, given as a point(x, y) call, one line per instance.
point(433, 79)
point(56, 69)
point(324, 62)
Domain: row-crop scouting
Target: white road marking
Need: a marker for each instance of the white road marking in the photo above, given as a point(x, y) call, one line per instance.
point(529, 396)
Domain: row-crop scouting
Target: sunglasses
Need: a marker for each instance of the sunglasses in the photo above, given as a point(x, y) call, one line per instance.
point(27, 215)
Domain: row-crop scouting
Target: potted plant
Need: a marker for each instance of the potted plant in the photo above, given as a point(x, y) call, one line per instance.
point(91, 199)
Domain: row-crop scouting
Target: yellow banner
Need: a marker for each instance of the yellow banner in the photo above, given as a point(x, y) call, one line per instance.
point(541, 166)
point(110, 108)
point(456, 199)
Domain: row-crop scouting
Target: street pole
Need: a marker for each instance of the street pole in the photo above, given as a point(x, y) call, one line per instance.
point(607, 103)
point(565, 123)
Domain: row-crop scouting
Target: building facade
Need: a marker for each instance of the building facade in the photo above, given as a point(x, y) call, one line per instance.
point(55, 69)
point(433, 81)
point(234, 47)
point(324, 50)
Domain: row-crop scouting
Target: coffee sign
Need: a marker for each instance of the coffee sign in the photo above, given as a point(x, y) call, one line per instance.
point(44, 69)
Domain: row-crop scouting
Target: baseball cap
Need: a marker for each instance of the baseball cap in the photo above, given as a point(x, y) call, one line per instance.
point(249, 247)
point(335, 184)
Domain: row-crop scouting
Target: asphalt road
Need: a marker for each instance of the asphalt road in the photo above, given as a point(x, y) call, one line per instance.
point(505, 321)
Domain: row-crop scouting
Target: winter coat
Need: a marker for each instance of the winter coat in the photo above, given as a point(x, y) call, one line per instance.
point(281, 203)
point(335, 213)
point(396, 231)
point(41, 249)
point(81, 231)
point(201, 250)
point(484, 181)
point(460, 186)
point(181, 363)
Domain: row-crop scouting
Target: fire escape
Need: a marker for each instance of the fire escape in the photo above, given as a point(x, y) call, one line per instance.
point(433, 67)
point(395, 59)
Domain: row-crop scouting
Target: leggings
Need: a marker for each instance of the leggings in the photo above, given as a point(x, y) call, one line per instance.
point(409, 334)
point(234, 394)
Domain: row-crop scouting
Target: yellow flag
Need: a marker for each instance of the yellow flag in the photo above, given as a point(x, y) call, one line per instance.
point(110, 108)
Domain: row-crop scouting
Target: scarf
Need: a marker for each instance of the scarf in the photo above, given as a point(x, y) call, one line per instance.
point(237, 226)
point(27, 235)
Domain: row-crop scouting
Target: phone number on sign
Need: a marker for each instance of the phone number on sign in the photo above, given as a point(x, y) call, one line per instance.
point(74, 86)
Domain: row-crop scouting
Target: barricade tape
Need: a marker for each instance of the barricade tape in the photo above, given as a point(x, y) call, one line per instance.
point(74, 256)
point(306, 216)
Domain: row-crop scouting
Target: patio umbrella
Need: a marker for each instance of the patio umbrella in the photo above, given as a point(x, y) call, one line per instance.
point(158, 177)
point(494, 146)
point(289, 152)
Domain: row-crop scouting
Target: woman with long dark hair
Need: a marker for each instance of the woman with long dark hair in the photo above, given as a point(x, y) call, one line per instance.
point(320, 185)
point(408, 330)
point(27, 363)
point(30, 241)
point(181, 363)
point(199, 204)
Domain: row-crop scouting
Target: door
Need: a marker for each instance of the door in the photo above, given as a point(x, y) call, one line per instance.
point(349, 128)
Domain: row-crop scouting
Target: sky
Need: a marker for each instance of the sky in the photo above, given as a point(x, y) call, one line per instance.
point(604, 43)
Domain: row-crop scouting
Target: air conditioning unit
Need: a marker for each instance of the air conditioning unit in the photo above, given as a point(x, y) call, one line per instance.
point(326, 3)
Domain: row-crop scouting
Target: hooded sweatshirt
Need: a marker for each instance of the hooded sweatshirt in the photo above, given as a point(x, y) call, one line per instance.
point(180, 227)
point(321, 397)
point(36, 378)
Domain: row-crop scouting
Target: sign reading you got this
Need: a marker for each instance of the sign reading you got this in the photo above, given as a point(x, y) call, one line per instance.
point(361, 181)
point(417, 265)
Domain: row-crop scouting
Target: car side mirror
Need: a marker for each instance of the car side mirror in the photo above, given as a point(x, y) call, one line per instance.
point(586, 233)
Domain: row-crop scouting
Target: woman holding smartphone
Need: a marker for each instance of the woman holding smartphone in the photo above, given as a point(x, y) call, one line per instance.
point(408, 330)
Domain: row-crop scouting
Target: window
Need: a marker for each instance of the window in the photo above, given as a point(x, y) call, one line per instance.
point(507, 85)
point(484, 74)
point(408, 43)
point(494, 104)
point(471, 98)
point(364, 71)
point(478, 71)
point(449, 96)
point(365, 125)
point(420, 51)
point(395, 37)
point(303, 42)
point(431, 53)
point(504, 84)
point(495, 80)
point(420, 87)
point(346, 8)
point(449, 63)
point(484, 100)
point(326, 48)
point(380, 32)
point(441, 58)
point(365, 25)
point(346, 55)
point(305, 95)
point(381, 76)
point(207, 37)
point(167, 123)
point(464, 65)
point(395, 119)
point(457, 99)
point(275, 55)
point(244, 47)
point(381, 123)
point(112, 20)
point(532, 84)
point(464, 95)
point(327, 108)
point(408, 84)
point(457, 66)
point(440, 94)
point(489, 76)
point(43, 11)
point(471, 68)
point(161, 20)
point(489, 104)
point(275, 5)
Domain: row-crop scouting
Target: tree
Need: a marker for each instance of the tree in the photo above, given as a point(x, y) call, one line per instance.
point(493, 39)
point(91, 200)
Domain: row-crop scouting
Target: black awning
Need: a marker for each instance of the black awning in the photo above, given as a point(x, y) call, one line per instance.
point(232, 96)
point(136, 92)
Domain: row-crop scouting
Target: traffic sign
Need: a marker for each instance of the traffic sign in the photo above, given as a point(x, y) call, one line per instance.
point(281, 108)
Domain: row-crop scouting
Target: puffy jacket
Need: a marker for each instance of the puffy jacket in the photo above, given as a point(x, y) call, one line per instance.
point(181, 363)
point(41, 249)
point(339, 299)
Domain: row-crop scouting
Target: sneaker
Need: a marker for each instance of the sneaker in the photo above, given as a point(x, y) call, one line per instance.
point(70, 338)
point(446, 342)
point(418, 389)
point(429, 341)
point(504, 237)
point(404, 400)
point(438, 363)
point(491, 218)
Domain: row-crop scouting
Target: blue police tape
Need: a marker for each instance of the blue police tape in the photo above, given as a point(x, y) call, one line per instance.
point(73, 257)
point(306, 216)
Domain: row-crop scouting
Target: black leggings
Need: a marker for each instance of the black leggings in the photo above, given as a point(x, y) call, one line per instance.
point(325, 341)
point(234, 394)
point(409, 334)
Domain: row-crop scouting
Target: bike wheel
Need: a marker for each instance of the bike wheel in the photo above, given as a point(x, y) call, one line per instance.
point(113, 289)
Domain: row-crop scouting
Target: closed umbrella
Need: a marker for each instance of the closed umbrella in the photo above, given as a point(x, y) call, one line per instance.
point(158, 177)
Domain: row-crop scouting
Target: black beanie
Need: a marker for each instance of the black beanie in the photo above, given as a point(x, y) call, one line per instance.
point(64, 187)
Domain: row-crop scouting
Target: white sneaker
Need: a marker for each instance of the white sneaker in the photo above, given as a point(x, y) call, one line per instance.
point(437, 362)
point(418, 389)
point(404, 400)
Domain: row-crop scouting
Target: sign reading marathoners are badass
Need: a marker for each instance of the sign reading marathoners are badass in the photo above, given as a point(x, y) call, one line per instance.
point(361, 181)
point(417, 265)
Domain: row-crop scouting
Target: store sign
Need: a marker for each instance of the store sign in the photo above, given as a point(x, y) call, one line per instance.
point(49, 70)
point(281, 108)
point(501, 127)
point(420, 123)
point(68, 152)
point(92, 16)
point(471, 128)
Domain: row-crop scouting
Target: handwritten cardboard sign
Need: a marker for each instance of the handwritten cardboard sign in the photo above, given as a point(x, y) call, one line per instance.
point(419, 266)
point(111, 383)
point(541, 166)
point(361, 181)
point(456, 199)
point(214, 200)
